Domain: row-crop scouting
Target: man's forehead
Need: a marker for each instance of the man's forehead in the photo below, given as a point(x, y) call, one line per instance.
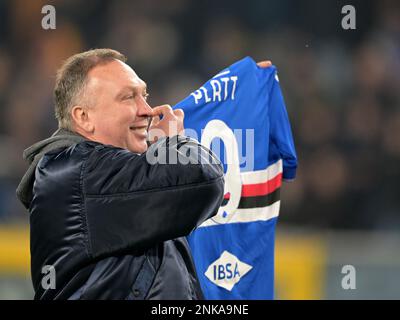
point(116, 72)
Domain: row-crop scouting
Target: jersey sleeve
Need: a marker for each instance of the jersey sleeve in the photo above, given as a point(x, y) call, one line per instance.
point(280, 130)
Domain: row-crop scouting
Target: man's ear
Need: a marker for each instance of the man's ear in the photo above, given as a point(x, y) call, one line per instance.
point(81, 119)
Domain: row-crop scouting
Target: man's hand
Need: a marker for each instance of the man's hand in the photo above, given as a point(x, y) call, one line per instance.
point(170, 125)
point(264, 64)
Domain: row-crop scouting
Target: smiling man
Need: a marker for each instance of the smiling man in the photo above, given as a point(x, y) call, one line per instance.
point(110, 224)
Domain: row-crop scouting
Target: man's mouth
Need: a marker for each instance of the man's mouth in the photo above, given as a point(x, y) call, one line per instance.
point(139, 129)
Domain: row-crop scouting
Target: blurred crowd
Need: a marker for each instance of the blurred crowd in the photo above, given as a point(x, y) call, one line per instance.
point(341, 87)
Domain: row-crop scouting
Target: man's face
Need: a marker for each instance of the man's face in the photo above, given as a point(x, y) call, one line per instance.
point(119, 111)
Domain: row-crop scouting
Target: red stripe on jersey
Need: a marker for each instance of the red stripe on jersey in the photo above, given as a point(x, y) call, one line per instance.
point(259, 189)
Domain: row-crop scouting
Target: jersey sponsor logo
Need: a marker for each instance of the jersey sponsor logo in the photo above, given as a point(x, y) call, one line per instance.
point(227, 271)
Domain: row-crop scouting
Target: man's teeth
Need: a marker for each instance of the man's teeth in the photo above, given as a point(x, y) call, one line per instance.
point(140, 129)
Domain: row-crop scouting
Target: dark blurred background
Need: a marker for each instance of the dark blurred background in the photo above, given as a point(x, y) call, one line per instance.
point(342, 87)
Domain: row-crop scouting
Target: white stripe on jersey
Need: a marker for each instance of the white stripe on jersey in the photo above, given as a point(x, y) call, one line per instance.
point(260, 176)
point(249, 215)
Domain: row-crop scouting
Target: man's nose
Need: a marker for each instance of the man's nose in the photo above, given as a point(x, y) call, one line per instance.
point(144, 109)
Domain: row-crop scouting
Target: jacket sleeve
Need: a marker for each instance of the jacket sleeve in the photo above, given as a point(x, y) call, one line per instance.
point(132, 201)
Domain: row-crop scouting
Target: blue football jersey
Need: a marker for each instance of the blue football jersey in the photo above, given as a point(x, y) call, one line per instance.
point(241, 115)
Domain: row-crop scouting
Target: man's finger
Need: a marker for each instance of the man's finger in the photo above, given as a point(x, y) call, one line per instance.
point(155, 120)
point(264, 64)
point(162, 110)
point(179, 113)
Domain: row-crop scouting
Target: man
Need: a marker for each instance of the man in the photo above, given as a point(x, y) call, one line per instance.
point(106, 222)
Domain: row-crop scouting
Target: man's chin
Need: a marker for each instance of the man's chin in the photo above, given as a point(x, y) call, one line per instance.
point(139, 147)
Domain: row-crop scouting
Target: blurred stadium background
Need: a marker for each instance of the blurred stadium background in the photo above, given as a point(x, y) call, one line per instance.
point(342, 94)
